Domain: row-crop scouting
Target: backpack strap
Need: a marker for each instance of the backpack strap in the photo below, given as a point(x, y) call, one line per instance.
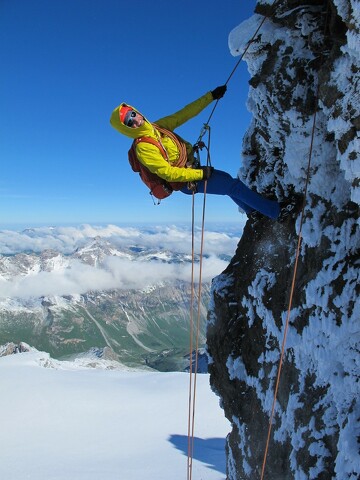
point(153, 142)
point(134, 161)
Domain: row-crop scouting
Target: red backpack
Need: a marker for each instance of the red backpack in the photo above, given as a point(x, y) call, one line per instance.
point(159, 188)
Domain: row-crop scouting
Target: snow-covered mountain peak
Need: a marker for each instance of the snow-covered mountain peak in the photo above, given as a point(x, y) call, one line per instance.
point(95, 252)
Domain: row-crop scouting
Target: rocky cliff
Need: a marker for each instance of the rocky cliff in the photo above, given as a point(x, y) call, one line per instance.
point(304, 98)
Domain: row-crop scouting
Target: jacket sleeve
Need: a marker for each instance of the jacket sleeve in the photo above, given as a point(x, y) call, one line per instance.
point(150, 156)
point(191, 110)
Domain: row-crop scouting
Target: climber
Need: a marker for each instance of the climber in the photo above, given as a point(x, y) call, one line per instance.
point(130, 122)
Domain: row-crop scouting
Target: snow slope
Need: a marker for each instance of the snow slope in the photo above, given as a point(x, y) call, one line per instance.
point(62, 421)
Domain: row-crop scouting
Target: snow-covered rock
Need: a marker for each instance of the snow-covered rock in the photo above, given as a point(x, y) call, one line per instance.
point(305, 59)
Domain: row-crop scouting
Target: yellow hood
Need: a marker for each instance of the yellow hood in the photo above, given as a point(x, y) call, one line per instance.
point(145, 130)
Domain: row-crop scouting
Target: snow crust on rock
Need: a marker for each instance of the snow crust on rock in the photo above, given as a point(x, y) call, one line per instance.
point(327, 349)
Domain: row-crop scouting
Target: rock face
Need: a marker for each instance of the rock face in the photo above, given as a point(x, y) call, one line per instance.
point(305, 59)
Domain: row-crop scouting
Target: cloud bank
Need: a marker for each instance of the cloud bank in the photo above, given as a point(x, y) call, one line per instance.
point(80, 278)
point(66, 240)
point(73, 277)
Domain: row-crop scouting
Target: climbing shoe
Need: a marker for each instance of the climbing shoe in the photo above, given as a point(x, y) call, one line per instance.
point(291, 208)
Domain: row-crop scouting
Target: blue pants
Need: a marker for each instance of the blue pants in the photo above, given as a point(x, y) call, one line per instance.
point(221, 183)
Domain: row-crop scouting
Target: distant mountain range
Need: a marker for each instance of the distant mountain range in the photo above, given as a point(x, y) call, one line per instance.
point(148, 325)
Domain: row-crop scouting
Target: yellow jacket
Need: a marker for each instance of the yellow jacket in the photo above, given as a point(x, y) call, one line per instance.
point(149, 155)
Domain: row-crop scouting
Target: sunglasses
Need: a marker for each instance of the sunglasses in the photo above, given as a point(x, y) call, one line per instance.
point(129, 120)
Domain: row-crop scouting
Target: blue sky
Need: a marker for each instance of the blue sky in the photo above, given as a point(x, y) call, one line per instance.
point(67, 63)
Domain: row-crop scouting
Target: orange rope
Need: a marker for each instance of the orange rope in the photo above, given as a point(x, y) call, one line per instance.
point(290, 299)
point(192, 384)
point(198, 327)
point(237, 64)
point(190, 441)
point(193, 381)
point(274, 5)
point(295, 272)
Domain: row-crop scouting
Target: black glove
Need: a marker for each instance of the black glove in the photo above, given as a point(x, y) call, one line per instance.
point(219, 92)
point(207, 172)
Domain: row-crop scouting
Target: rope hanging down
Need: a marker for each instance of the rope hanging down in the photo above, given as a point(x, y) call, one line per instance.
point(273, 7)
point(236, 66)
point(307, 181)
point(193, 375)
point(192, 381)
point(289, 307)
point(202, 133)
